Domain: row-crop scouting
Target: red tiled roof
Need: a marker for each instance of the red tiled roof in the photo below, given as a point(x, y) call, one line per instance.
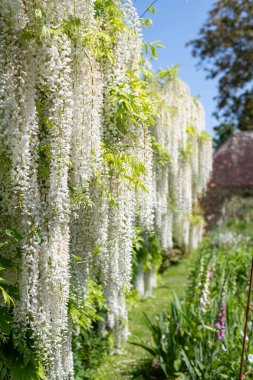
point(233, 162)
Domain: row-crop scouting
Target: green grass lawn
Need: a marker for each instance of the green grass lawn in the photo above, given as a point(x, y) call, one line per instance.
point(119, 367)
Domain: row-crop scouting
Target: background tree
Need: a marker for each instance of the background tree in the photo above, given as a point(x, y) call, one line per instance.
point(222, 132)
point(225, 45)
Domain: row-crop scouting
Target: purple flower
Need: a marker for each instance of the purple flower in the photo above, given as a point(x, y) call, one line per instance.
point(220, 325)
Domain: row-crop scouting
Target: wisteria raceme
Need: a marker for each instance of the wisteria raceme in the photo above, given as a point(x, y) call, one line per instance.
point(162, 178)
point(205, 161)
point(86, 141)
point(139, 280)
point(117, 271)
point(180, 131)
point(196, 233)
point(127, 56)
point(44, 277)
point(20, 131)
point(150, 281)
point(55, 75)
point(163, 209)
point(133, 38)
point(145, 199)
point(87, 103)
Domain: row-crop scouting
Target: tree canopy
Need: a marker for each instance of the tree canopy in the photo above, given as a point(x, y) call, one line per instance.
point(225, 46)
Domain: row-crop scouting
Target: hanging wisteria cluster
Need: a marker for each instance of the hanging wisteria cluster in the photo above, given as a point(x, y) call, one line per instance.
point(181, 166)
point(180, 182)
point(78, 166)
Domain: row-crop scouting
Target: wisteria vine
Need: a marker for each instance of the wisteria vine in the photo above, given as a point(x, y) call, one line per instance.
point(86, 158)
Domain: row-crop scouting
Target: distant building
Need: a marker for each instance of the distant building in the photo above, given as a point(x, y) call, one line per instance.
point(232, 174)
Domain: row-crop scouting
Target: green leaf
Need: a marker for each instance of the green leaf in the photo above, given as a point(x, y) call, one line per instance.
point(38, 13)
point(146, 45)
point(41, 373)
point(14, 234)
point(7, 299)
point(78, 258)
point(188, 365)
point(96, 250)
point(151, 9)
point(5, 320)
point(160, 46)
point(4, 244)
point(153, 51)
point(177, 364)
point(146, 348)
point(147, 22)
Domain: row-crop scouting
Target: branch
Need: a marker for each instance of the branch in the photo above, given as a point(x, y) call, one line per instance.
point(148, 8)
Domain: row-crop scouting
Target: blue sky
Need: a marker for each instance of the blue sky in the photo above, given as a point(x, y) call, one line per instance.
point(177, 22)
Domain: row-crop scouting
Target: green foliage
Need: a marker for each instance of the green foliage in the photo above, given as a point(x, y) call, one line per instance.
point(8, 289)
point(157, 80)
point(132, 104)
point(110, 21)
point(107, 11)
point(18, 359)
point(5, 296)
point(146, 22)
point(187, 151)
point(186, 341)
point(97, 41)
point(79, 197)
point(5, 161)
point(202, 136)
point(147, 250)
point(191, 131)
point(150, 48)
point(237, 215)
point(224, 45)
point(85, 313)
point(196, 219)
point(90, 344)
point(166, 338)
point(124, 166)
point(222, 133)
point(150, 9)
point(90, 349)
point(239, 212)
point(161, 154)
point(167, 74)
